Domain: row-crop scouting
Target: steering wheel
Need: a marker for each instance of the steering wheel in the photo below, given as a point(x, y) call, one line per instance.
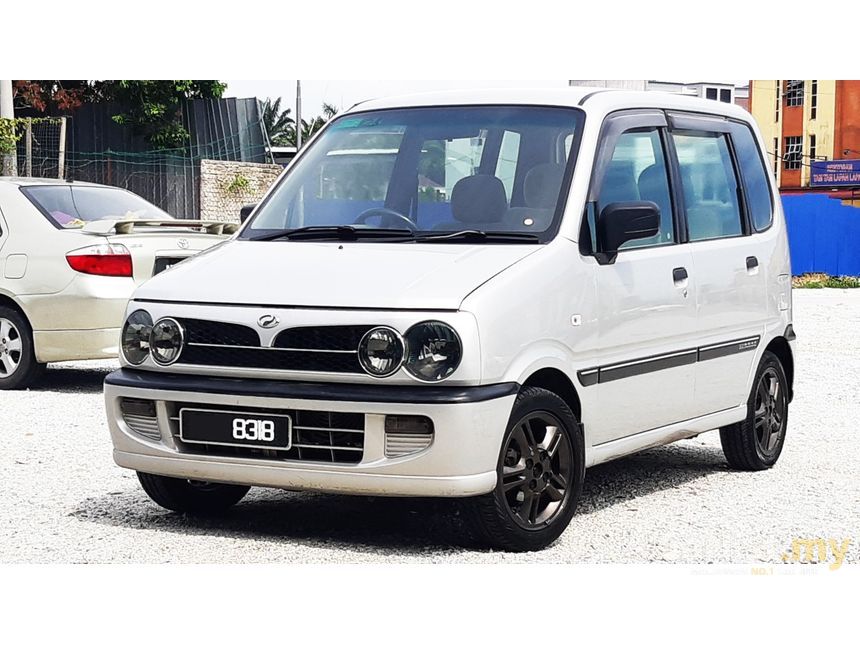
point(385, 214)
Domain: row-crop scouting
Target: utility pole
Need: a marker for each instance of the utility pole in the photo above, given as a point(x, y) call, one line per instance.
point(9, 162)
point(298, 115)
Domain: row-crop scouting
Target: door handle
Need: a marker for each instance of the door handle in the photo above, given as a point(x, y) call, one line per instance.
point(752, 262)
point(679, 274)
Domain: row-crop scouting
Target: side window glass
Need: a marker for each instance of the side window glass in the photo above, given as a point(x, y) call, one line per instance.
point(441, 164)
point(637, 172)
point(755, 179)
point(709, 185)
point(506, 165)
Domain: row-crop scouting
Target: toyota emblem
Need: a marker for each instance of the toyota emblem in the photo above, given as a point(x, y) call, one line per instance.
point(182, 243)
point(267, 321)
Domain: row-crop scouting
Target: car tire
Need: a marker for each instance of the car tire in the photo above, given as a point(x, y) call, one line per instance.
point(18, 366)
point(189, 496)
point(541, 468)
point(756, 442)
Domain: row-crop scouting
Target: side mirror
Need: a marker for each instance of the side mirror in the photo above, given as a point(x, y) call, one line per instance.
point(621, 222)
point(246, 211)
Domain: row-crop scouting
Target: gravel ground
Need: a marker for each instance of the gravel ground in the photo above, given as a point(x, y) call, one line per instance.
point(65, 501)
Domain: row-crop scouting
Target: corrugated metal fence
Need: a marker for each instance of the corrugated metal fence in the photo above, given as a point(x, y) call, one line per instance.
point(101, 151)
point(824, 235)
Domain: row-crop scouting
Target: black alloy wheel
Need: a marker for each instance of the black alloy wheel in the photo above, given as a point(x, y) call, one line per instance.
point(540, 469)
point(756, 442)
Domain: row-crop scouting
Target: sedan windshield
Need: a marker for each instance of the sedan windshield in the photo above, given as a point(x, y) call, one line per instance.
point(72, 206)
point(490, 171)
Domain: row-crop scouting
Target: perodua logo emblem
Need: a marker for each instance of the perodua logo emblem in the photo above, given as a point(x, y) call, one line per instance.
point(267, 321)
point(182, 243)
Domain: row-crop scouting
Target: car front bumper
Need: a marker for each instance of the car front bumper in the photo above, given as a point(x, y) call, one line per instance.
point(469, 423)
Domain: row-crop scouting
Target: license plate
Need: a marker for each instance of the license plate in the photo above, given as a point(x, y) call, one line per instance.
point(163, 264)
point(240, 429)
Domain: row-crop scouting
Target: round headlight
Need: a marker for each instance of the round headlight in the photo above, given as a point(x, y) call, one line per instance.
point(135, 337)
point(433, 351)
point(380, 351)
point(166, 341)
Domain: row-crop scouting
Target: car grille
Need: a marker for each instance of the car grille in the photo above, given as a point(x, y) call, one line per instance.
point(211, 332)
point(330, 437)
point(311, 349)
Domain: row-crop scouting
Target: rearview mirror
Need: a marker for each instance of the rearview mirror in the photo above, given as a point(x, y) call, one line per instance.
point(245, 211)
point(621, 222)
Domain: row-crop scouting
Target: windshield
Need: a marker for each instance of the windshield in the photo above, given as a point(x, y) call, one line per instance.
point(73, 206)
point(429, 171)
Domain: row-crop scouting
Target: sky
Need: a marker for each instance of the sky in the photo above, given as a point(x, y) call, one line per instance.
point(345, 94)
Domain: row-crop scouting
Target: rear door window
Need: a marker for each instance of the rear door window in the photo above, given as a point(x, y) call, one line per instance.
point(709, 185)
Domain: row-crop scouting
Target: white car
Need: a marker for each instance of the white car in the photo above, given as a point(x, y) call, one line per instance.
point(526, 284)
point(71, 253)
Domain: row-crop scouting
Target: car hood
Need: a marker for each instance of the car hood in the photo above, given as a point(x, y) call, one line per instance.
point(355, 275)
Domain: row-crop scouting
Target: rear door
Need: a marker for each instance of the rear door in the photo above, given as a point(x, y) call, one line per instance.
point(646, 298)
point(729, 272)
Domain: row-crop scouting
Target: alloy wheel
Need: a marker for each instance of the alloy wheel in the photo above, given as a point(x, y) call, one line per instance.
point(770, 409)
point(537, 470)
point(11, 348)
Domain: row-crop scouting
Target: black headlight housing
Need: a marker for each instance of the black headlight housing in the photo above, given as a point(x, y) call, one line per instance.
point(433, 351)
point(136, 332)
point(380, 351)
point(166, 341)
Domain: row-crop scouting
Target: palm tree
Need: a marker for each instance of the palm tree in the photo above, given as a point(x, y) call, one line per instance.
point(278, 123)
point(309, 128)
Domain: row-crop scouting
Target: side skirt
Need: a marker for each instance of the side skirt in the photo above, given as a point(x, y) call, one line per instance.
point(661, 436)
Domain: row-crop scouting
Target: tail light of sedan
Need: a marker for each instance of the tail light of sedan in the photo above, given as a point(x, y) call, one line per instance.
point(101, 259)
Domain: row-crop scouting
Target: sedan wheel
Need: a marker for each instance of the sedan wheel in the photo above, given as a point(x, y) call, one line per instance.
point(18, 366)
point(10, 348)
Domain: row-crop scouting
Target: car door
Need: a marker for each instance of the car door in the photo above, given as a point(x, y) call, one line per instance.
point(728, 267)
point(646, 297)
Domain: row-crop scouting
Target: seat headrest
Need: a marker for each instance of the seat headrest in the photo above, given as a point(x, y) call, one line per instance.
point(542, 184)
point(619, 183)
point(479, 199)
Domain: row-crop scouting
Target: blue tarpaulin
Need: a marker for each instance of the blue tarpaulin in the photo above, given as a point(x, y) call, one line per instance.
point(824, 235)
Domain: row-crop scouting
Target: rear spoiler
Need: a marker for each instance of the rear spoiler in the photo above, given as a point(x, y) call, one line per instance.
point(126, 226)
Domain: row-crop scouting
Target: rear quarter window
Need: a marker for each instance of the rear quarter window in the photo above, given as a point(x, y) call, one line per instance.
point(754, 176)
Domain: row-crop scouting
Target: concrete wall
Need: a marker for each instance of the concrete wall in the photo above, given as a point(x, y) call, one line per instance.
point(225, 186)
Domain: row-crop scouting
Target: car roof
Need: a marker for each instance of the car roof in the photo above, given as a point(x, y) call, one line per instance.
point(591, 99)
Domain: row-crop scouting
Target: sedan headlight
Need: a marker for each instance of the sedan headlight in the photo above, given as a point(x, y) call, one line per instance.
point(433, 351)
point(166, 341)
point(135, 337)
point(380, 351)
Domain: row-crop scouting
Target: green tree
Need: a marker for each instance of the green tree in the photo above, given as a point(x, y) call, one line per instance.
point(278, 123)
point(154, 108)
point(309, 128)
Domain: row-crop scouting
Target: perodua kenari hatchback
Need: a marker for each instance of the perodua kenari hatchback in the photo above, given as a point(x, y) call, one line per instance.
point(477, 295)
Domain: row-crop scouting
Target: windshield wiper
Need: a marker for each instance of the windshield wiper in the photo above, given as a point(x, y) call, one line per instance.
point(344, 233)
point(474, 235)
